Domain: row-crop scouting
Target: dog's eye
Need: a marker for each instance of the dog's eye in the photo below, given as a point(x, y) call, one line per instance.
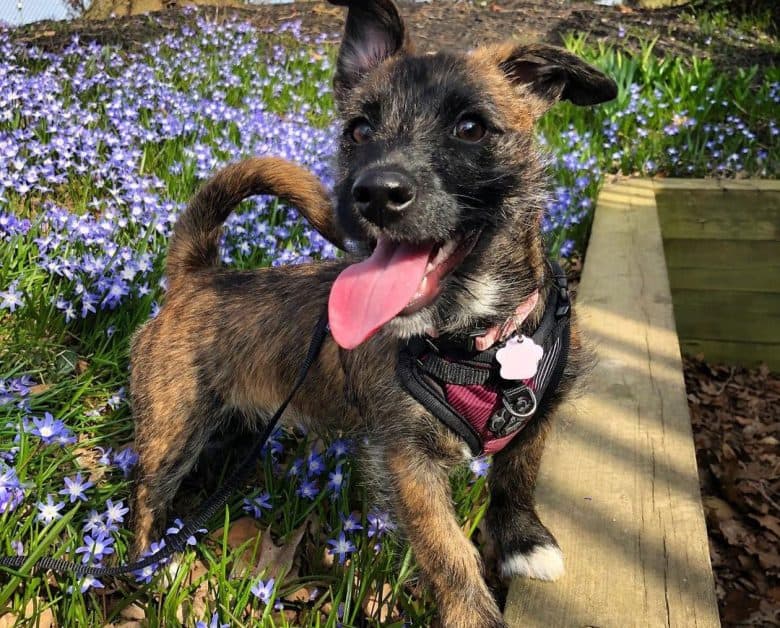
point(469, 129)
point(360, 131)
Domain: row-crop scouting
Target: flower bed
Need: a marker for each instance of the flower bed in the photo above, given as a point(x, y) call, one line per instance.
point(99, 150)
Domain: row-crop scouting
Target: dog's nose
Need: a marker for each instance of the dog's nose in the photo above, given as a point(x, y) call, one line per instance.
point(381, 196)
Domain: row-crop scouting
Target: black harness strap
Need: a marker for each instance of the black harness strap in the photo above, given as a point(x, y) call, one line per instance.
point(175, 543)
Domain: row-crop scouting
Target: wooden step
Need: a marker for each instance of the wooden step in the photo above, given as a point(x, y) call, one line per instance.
point(618, 485)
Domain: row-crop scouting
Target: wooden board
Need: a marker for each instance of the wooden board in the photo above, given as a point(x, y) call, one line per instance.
point(719, 214)
point(618, 485)
point(742, 317)
point(723, 265)
point(749, 354)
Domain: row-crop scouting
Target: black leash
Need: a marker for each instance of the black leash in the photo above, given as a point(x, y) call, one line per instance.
point(178, 542)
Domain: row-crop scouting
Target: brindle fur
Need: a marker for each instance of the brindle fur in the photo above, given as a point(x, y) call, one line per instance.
point(228, 343)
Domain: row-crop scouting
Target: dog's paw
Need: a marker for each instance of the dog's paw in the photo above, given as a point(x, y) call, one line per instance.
point(543, 562)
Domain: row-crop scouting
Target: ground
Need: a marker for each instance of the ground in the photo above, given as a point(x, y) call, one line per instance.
point(458, 23)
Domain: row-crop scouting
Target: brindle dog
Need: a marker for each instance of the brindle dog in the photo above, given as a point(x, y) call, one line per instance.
point(437, 160)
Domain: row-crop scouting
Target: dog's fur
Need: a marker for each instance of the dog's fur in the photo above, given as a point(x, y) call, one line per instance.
point(229, 343)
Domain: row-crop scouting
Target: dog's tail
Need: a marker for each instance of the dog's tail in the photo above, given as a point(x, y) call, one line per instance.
point(196, 235)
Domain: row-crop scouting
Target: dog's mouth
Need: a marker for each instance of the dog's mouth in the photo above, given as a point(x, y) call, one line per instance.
point(398, 279)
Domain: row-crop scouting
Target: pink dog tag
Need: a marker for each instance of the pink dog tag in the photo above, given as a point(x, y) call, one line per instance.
point(519, 359)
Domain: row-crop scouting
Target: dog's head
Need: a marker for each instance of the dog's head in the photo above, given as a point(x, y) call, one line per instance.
point(439, 175)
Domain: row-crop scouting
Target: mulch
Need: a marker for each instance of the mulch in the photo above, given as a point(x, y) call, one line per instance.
point(455, 24)
point(736, 425)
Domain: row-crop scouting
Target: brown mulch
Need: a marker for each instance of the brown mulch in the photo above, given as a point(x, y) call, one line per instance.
point(736, 425)
point(457, 24)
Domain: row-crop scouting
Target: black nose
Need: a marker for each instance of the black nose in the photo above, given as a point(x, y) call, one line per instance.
point(381, 196)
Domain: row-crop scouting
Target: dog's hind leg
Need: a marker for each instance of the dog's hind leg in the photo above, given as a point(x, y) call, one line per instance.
point(447, 558)
point(525, 546)
point(168, 447)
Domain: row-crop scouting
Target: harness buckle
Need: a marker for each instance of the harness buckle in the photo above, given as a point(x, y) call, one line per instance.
point(519, 406)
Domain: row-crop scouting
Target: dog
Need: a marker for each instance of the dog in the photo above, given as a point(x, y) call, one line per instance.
point(438, 198)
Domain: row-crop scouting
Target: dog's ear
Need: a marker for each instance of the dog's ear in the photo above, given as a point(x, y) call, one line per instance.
point(553, 74)
point(374, 32)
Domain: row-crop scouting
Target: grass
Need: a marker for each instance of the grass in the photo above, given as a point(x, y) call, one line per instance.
point(116, 142)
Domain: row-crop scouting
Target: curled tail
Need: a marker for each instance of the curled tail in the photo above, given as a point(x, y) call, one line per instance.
point(196, 235)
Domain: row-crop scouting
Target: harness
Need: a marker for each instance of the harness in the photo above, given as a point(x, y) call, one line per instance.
point(464, 388)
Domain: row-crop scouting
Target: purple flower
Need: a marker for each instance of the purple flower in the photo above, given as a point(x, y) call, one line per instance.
point(351, 523)
point(263, 591)
point(95, 548)
point(11, 299)
point(51, 431)
point(11, 491)
point(115, 513)
point(49, 511)
point(341, 547)
point(336, 479)
point(339, 448)
point(256, 505)
point(308, 489)
point(105, 456)
point(75, 487)
point(214, 623)
point(178, 525)
point(89, 582)
point(126, 460)
point(379, 523)
point(480, 466)
point(315, 464)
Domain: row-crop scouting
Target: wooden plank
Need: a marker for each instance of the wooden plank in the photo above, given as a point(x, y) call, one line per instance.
point(761, 185)
point(738, 316)
point(723, 265)
point(719, 214)
point(618, 485)
point(748, 354)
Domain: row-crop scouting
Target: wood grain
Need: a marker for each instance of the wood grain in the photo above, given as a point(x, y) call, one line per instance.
point(619, 485)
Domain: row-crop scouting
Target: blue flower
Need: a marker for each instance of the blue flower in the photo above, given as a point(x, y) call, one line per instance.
point(126, 460)
point(256, 505)
point(351, 523)
point(308, 489)
point(336, 479)
point(75, 487)
point(341, 547)
point(263, 591)
point(95, 548)
point(480, 466)
point(115, 513)
point(51, 431)
point(49, 511)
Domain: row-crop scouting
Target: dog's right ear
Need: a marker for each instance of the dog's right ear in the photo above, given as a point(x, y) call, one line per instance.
point(374, 32)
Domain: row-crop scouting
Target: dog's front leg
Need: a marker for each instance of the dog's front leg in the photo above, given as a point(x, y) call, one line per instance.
point(526, 547)
point(445, 555)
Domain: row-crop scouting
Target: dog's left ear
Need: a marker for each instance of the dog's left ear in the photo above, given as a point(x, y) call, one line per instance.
point(554, 74)
point(374, 32)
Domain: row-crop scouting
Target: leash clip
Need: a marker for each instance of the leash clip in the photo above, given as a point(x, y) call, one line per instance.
point(519, 406)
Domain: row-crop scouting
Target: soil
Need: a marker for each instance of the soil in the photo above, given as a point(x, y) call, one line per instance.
point(458, 24)
point(735, 414)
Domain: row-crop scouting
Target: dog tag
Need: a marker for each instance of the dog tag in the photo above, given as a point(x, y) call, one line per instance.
point(519, 358)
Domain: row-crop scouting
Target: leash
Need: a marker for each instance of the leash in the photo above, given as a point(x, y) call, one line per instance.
point(178, 542)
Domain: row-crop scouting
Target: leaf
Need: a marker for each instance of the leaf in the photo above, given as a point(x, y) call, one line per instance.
point(277, 560)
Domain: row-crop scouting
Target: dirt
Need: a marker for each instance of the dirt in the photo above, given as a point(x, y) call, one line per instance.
point(456, 24)
point(735, 414)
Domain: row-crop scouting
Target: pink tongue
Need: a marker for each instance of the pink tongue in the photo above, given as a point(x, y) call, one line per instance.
point(367, 295)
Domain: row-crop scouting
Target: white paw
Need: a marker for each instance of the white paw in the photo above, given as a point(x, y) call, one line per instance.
point(542, 563)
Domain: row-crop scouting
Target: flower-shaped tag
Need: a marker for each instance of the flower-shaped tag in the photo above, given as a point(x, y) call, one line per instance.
point(519, 359)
